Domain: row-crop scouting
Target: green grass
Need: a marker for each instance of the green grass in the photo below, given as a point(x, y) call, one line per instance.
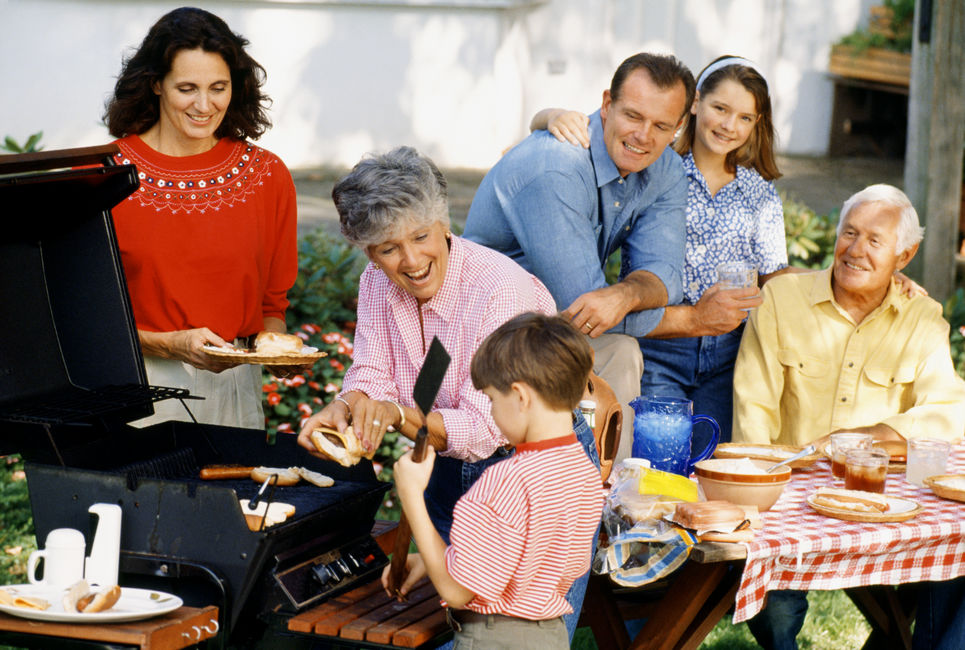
point(832, 622)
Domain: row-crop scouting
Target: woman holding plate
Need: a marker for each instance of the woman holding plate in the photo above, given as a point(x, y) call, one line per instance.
point(208, 241)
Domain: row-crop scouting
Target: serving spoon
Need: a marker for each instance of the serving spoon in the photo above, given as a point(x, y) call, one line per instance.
point(807, 451)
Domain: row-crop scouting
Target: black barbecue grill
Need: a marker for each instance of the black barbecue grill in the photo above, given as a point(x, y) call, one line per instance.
point(71, 377)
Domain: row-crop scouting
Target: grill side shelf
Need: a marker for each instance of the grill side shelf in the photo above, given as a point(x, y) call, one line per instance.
point(80, 405)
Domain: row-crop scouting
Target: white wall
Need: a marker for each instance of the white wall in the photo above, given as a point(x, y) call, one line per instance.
point(459, 80)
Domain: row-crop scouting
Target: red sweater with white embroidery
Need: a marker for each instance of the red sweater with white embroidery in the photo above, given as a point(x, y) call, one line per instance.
point(207, 240)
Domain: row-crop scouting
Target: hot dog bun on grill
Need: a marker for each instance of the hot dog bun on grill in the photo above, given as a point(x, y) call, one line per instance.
point(275, 345)
point(344, 448)
point(854, 500)
point(287, 476)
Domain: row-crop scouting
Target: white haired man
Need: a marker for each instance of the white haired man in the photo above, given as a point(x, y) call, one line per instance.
point(843, 349)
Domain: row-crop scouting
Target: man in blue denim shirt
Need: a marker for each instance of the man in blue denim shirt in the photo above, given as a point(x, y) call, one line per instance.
point(560, 211)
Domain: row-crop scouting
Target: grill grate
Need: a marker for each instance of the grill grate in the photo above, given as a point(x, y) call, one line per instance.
point(80, 405)
point(178, 464)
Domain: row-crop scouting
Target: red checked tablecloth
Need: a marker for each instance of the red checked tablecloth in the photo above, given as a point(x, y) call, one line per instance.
point(801, 549)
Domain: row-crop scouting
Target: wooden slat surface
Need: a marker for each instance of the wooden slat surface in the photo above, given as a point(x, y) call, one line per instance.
point(390, 611)
point(165, 632)
point(306, 621)
point(418, 633)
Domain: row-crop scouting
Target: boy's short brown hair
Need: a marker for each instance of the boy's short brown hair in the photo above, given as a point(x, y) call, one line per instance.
point(545, 352)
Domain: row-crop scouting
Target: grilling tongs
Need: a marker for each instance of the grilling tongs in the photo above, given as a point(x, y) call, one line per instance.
point(424, 394)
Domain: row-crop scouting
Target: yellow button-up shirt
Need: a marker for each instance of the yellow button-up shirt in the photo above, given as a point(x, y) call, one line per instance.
point(806, 369)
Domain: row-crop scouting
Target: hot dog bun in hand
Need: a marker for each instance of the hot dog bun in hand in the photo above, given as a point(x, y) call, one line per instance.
point(343, 447)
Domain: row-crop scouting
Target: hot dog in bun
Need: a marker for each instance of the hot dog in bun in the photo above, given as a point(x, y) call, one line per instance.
point(854, 500)
point(342, 447)
point(80, 598)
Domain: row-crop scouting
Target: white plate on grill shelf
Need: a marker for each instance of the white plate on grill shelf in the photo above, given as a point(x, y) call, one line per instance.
point(133, 605)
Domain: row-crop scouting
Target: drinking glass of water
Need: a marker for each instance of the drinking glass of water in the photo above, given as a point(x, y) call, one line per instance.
point(926, 457)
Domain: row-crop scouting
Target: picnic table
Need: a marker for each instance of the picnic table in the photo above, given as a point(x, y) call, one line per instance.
point(797, 548)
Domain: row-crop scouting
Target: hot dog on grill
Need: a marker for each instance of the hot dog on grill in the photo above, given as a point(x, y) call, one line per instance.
point(218, 472)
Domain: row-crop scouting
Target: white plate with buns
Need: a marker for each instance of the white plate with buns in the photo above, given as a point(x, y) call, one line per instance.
point(133, 605)
point(855, 505)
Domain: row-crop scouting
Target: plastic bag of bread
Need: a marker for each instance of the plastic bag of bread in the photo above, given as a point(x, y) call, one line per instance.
point(641, 496)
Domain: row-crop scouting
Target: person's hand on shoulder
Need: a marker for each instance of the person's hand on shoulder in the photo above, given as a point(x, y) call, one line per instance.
point(908, 286)
point(722, 310)
point(570, 126)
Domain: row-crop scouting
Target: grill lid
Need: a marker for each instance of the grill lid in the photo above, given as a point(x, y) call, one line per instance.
point(71, 354)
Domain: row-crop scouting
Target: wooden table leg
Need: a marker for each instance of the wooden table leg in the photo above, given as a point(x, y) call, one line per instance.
point(601, 612)
point(720, 601)
point(890, 612)
point(680, 610)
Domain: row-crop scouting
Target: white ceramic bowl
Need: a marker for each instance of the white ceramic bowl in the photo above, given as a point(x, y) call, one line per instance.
point(761, 490)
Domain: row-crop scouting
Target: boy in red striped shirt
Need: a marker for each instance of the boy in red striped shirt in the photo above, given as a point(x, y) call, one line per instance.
point(523, 533)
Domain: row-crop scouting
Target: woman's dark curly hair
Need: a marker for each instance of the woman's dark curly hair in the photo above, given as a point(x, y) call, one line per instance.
point(134, 107)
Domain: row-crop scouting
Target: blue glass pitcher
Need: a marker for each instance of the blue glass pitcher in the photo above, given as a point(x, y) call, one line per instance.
point(662, 432)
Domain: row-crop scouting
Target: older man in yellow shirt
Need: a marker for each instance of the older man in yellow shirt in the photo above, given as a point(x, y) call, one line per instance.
point(844, 349)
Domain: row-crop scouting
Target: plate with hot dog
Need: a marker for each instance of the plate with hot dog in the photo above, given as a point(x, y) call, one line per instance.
point(856, 505)
point(42, 603)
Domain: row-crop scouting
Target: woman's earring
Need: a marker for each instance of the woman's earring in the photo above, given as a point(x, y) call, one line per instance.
point(448, 236)
point(376, 265)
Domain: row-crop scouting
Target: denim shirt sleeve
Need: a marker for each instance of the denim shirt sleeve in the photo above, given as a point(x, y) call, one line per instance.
point(657, 243)
point(542, 216)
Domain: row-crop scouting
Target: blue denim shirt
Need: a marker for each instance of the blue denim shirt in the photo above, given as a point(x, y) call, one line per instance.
point(561, 210)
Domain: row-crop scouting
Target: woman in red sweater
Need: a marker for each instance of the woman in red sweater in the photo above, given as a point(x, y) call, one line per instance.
point(208, 241)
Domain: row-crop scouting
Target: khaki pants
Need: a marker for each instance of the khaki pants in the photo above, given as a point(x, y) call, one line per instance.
point(232, 397)
point(618, 360)
point(498, 632)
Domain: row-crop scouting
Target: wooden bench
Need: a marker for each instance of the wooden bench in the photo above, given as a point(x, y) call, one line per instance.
point(368, 615)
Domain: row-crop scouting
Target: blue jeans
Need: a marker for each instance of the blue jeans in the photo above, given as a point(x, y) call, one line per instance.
point(453, 478)
point(700, 369)
point(777, 625)
point(940, 620)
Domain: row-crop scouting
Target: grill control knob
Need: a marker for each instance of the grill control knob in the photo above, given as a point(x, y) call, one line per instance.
point(335, 570)
point(323, 574)
point(343, 567)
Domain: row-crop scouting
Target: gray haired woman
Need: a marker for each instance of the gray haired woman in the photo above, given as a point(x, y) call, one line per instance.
point(422, 281)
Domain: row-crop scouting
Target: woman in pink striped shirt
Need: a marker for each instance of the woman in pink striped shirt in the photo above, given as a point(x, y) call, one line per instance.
point(422, 281)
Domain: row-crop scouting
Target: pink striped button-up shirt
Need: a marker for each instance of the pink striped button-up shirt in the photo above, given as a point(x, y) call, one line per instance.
point(481, 291)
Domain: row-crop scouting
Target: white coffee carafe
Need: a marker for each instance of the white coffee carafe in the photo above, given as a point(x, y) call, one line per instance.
point(101, 565)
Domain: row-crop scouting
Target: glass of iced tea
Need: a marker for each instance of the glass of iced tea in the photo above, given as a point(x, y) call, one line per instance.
point(865, 469)
point(839, 445)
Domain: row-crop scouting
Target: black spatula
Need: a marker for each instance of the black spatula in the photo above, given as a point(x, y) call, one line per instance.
point(424, 393)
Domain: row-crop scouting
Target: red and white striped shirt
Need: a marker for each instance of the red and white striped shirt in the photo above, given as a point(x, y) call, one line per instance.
point(523, 533)
point(482, 290)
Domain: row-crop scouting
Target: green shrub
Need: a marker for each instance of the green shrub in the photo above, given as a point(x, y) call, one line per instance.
point(32, 144)
point(955, 315)
point(326, 289)
point(809, 236)
point(16, 524)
